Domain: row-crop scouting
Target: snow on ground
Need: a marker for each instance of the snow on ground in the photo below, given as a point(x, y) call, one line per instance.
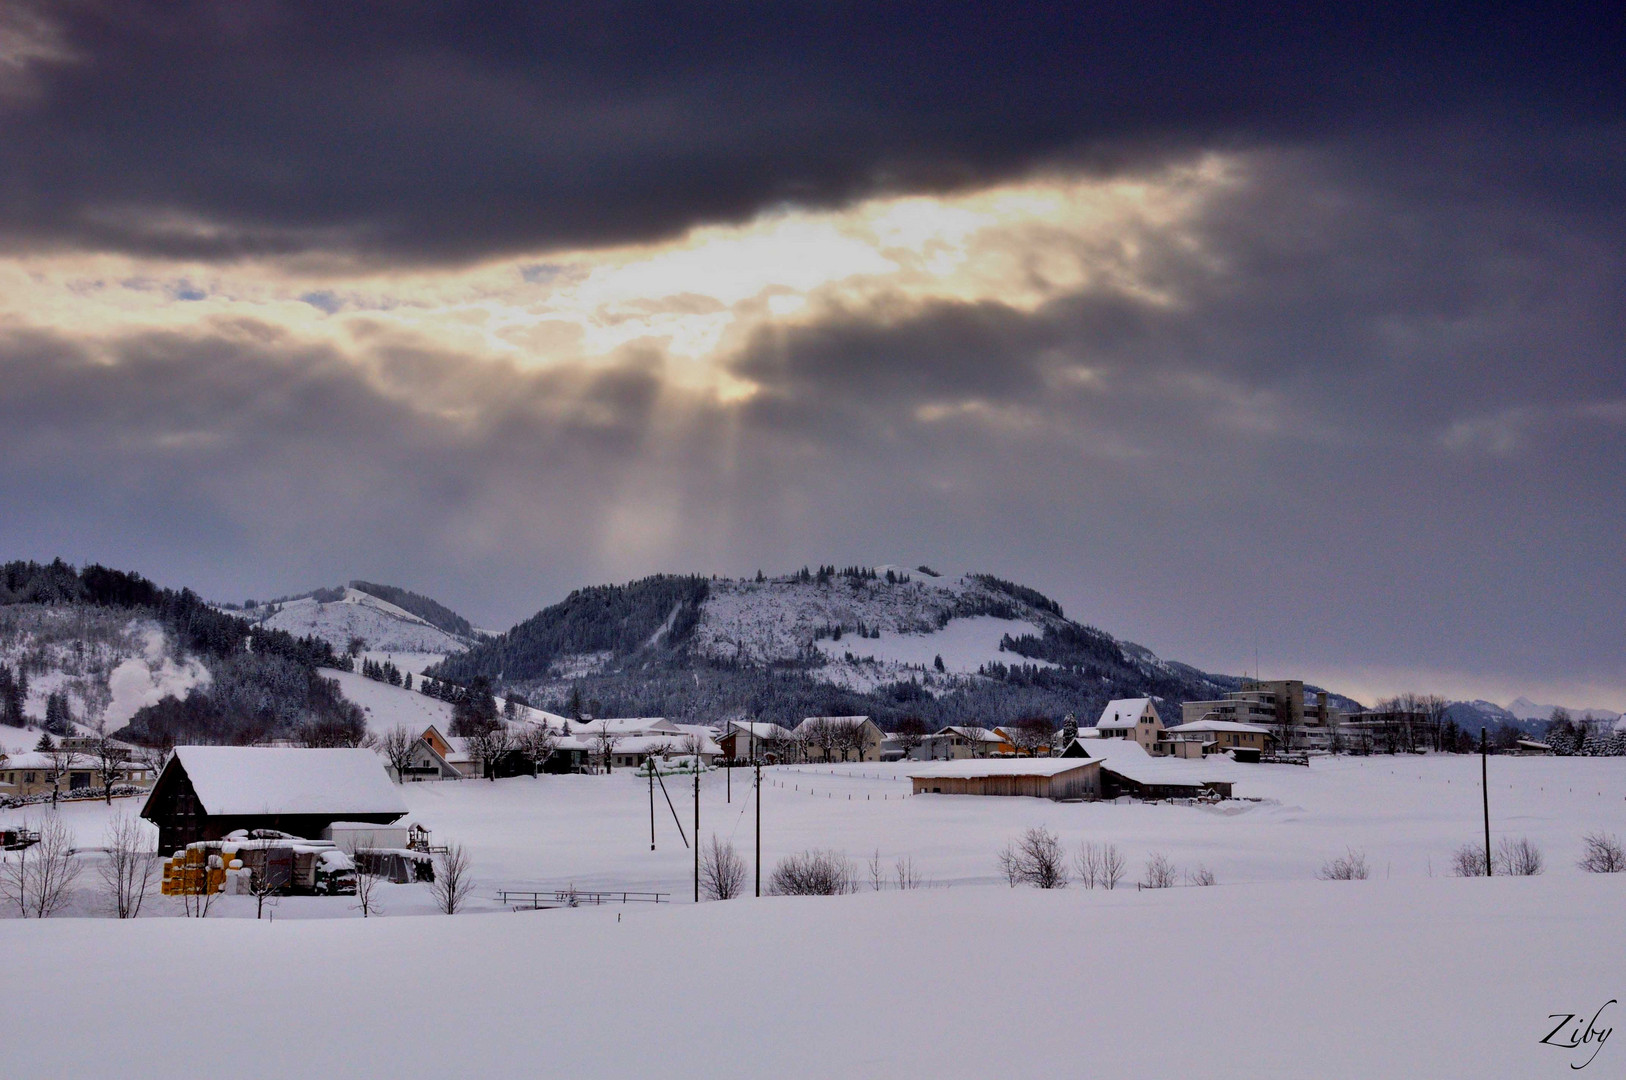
point(1271, 973)
point(1408, 814)
point(1414, 978)
point(387, 706)
point(964, 644)
point(382, 625)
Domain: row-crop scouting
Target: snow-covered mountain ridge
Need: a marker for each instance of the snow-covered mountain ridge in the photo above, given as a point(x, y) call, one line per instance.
point(352, 613)
point(878, 640)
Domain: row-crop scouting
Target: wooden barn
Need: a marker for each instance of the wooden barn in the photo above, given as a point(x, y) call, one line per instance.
point(1042, 778)
point(207, 792)
point(1127, 769)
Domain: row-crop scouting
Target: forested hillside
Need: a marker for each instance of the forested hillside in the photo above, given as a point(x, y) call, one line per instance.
point(260, 683)
point(886, 642)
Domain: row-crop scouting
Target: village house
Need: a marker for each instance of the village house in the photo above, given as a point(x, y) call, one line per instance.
point(1043, 778)
point(208, 792)
point(743, 740)
point(959, 741)
point(1200, 738)
point(38, 773)
point(1131, 718)
point(858, 738)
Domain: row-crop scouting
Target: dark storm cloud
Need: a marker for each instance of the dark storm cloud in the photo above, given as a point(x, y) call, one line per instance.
point(419, 131)
point(1375, 424)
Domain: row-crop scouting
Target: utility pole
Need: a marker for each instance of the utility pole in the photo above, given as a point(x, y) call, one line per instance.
point(1484, 787)
point(697, 822)
point(758, 764)
point(650, 765)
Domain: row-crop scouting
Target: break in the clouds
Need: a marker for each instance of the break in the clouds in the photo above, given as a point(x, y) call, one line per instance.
point(1296, 334)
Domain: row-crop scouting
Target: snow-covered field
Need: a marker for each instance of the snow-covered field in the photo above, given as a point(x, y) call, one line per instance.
point(1270, 973)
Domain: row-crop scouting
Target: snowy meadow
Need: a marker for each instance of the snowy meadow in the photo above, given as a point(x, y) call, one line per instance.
point(1271, 972)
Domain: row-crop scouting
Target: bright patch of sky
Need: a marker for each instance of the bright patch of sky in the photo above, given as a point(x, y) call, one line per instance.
point(692, 299)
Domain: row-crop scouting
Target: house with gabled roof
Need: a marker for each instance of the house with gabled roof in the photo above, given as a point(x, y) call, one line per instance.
point(1131, 718)
point(207, 792)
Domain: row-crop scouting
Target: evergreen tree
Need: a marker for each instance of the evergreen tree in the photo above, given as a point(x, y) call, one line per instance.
point(45, 745)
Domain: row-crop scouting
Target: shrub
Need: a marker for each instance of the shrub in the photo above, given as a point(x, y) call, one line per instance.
point(722, 871)
point(1350, 866)
point(1518, 858)
point(1201, 876)
point(1160, 873)
point(1469, 861)
point(1604, 854)
point(1037, 859)
point(813, 873)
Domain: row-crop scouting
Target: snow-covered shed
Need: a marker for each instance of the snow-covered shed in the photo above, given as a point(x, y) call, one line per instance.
point(1044, 778)
point(1127, 769)
point(206, 792)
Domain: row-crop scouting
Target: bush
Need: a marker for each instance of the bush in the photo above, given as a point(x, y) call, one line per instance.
point(1518, 858)
point(1201, 876)
point(1350, 866)
point(1037, 859)
point(813, 873)
point(722, 871)
point(1160, 873)
point(1469, 861)
point(1604, 854)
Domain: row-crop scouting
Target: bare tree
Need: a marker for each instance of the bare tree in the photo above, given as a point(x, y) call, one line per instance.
point(197, 903)
point(1604, 854)
point(1036, 859)
point(1518, 858)
point(359, 847)
point(130, 866)
point(1032, 734)
point(1350, 866)
point(1088, 863)
point(536, 744)
point(1201, 876)
point(62, 760)
point(489, 745)
point(1160, 873)
point(38, 879)
point(263, 885)
point(722, 871)
point(813, 873)
point(905, 874)
point(453, 883)
point(909, 733)
point(1113, 866)
point(108, 757)
point(603, 743)
point(398, 746)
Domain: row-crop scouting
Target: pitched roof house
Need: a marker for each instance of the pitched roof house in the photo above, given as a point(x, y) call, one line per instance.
point(206, 792)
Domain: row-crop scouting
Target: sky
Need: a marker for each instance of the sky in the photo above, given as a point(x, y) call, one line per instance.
point(1286, 340)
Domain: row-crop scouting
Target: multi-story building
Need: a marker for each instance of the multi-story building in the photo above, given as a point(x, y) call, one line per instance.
point(1277, 704)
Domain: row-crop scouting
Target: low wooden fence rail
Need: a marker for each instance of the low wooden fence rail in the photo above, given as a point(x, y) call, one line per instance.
point(526, 899)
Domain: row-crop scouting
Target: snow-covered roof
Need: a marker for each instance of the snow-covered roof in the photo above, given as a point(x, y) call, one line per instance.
point(625, 725)
point(275, 780)
point(760, 729)
point(1122, 713)
point(36, 759)
point(841, 721)
point(1221, 725)
point(1130, 760)
point(973, 767)
point(977, 734)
